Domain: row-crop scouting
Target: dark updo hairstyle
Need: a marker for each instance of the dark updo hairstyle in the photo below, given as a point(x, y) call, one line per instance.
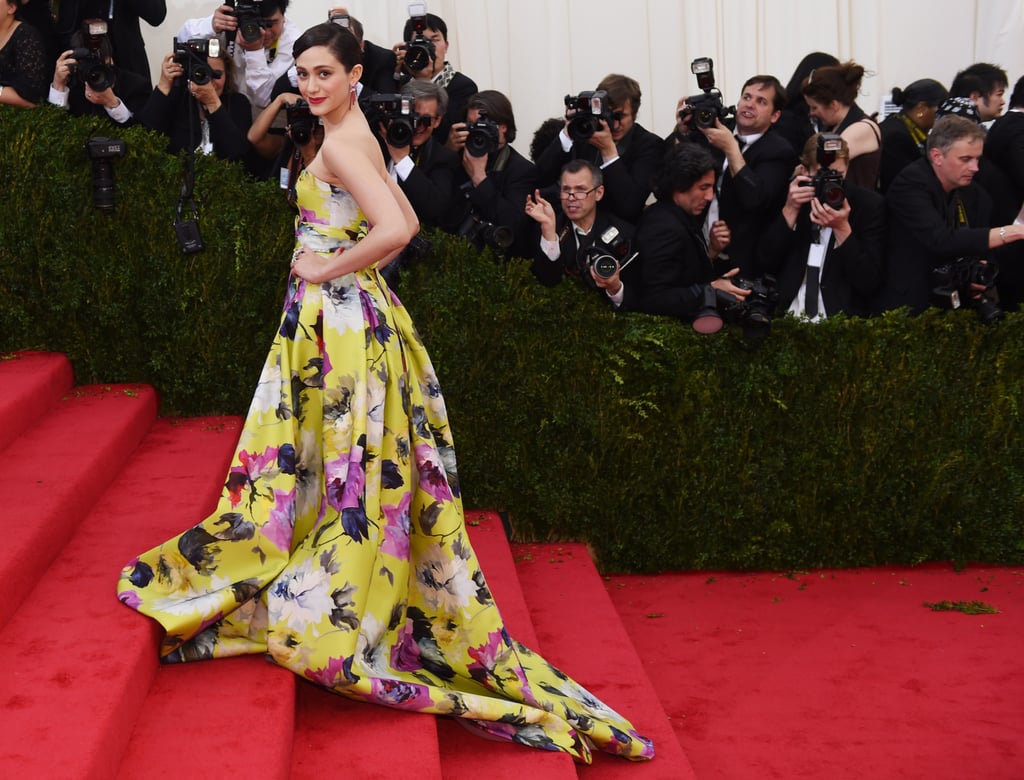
point(834, 82)
point(339, 41)
point(927, 91)
point(684, 165)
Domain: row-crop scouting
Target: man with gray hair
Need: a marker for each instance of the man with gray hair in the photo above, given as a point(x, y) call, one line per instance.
point(424, 169)
point(939, 217)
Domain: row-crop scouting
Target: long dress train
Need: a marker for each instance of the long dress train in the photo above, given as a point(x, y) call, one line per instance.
point(339, 547)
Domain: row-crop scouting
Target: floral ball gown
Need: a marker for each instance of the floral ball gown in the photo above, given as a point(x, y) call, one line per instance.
point(339, 547)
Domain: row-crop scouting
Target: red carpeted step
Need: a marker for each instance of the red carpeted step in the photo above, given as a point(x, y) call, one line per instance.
point(77, 663)
point(56, 471)
point(463, 753)
point(581, 634)
point(30, 383)
point(370, 742)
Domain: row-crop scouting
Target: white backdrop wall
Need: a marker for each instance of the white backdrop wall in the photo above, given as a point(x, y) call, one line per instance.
point(537, 51)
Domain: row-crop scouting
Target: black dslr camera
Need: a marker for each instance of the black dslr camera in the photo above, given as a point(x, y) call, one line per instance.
point(300, 122)
point(481, 233)
point(756, 311)
point(609, 253)
point(827, 183)
point(249, 14)
point(103, 151)
point(419, 52)
point(585, 112)
point(398, 116)
point(192, 56)
point(952, 287)
point(702, 110)
point(90, 65)
point(484, 136)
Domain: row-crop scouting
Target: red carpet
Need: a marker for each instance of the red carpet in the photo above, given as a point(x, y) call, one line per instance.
point(836, 674)
point(820, 675)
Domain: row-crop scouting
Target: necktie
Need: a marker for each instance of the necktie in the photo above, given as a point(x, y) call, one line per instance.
point(811, 292)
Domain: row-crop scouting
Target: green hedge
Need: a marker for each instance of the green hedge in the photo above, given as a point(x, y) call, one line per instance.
point(851, 442)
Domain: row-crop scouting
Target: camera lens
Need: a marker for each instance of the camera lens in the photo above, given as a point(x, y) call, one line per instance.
point(417, 57)
point(400, 133)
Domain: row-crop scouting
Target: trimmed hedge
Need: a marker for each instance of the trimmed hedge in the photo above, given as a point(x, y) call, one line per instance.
point(846, 443)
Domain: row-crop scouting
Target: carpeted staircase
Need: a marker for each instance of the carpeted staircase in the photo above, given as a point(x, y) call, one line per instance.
point(95, 477)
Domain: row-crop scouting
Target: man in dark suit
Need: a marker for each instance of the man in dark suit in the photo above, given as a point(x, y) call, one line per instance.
point(627, 154)
point(756, 165)
point(122, 18)
point(675, 265)
point(827, 257)
point(566, 237)
point(937, 213)
point(496, 184)
point(106, 91)
point(424, 169)
point(1004, 149)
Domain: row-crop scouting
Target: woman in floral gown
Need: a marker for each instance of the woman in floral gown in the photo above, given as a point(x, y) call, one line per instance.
point(339, 546)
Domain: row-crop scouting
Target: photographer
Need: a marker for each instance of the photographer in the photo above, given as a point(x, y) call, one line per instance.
point(937, 213)
point(122, 18)
point(567, 239)
point(260, 51)
point(495, 178)
point(424, 169)
point(676, 263)
point(294, 149)
point(88, 83)
point(756, 165)
point(826, 247)
point(426, 36)
point(194, 105)
point(627, 154)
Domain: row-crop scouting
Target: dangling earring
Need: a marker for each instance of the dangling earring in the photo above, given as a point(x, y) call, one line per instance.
point(352, 96)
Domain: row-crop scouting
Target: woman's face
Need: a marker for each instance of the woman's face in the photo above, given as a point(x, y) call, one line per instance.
point(827, 114)
point(324, 81)
point(216, 66)
point(924, 116)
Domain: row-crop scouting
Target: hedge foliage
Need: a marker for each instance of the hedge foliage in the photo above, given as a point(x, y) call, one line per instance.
point(850, 442)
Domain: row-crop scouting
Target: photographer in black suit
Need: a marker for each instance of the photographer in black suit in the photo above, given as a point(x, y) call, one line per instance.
point(627, 154)
point(122, 18)
point(495, 179)
point(826, 247)
point(676, 263)
point(567, 237)
point(424, 169)
point(1004, 148)
point(756, 165)
point(937, 213)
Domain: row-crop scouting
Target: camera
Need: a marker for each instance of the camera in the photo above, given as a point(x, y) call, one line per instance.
point(90, 65)
point(827, 183)
point(756, 311)
point(419, 52)
point(484, 136)
point(102, 151)
point(397, 114)
point(588, 109)
point(481, 233)
point(705, 108)
point(340, 19)
point(300, 122)
point(192, 56)
point(952, 287)
point(609, 254)
point(250, 19)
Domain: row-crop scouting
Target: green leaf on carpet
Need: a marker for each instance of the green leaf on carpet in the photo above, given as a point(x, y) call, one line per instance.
point(967, 607)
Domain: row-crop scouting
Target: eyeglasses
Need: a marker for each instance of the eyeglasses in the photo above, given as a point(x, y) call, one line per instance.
point(423, 121)
point(568, 194)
